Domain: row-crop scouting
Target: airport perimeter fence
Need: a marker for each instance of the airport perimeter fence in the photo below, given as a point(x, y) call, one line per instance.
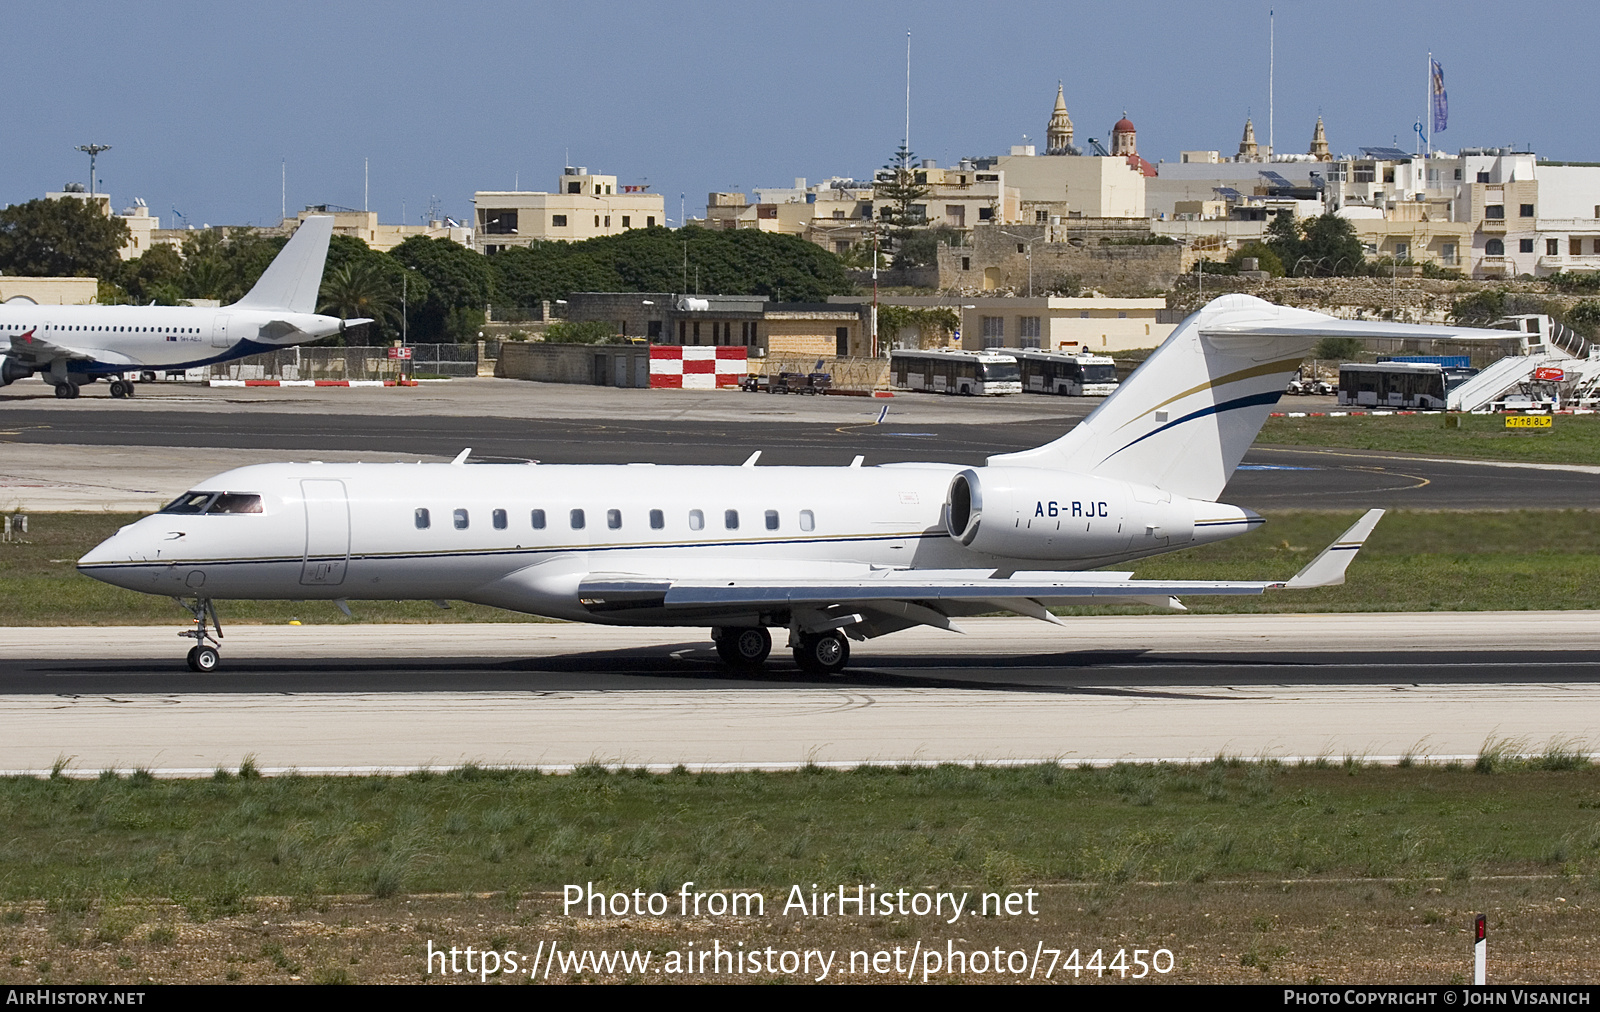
point(355, 363)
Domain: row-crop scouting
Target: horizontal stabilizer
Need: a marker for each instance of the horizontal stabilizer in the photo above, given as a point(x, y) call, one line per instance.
point(1327, 569)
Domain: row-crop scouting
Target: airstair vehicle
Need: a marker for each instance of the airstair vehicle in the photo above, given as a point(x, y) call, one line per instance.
point(1555, 368)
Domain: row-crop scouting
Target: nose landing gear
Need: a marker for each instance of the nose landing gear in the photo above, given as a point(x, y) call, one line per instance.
point(203, 656)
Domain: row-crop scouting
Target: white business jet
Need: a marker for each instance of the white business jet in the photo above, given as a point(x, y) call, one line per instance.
point(69, 346)
point(826, 554)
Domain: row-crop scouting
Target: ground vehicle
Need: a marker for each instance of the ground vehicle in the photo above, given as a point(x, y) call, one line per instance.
point(1058, 372)
point(976, 373)
point(1396, 384)
point(788, 383)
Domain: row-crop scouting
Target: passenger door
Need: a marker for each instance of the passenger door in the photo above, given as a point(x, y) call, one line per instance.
point(327, 554)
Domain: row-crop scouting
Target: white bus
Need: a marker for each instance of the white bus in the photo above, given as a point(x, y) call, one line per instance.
point(1393, 384)
point(955, 372)
point(1057, 372)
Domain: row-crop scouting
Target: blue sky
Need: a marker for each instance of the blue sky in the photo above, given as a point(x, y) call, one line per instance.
point(203, 102)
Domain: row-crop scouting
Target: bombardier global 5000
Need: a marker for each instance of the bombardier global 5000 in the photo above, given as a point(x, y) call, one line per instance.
point(826, 555)
point(69, 346)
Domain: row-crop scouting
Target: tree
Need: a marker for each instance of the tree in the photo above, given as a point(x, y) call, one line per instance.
point(1267, 260)
point(60, 238)
point(742, 262)
point(899, 198)
point(154, 276)
point(1341, 349)
point(921, 247)
point(1283, 239)
point(1331, 241)
point(460, 286)
point(580, 332)
point(360, 289)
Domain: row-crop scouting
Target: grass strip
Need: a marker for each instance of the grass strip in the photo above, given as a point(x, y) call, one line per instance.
point(1572, 439)
point(213, 844)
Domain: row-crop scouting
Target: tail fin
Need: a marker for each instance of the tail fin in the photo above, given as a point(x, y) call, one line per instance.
point(1185, 418)
point(294, 277)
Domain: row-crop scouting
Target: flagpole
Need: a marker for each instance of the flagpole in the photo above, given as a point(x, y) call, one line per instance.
point(1427, 121)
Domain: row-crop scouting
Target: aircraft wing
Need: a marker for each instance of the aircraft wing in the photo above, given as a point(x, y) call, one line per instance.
point(35, 350)
point(918, 594)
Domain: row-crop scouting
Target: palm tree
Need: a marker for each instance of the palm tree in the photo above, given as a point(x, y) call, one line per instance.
point(359, 289)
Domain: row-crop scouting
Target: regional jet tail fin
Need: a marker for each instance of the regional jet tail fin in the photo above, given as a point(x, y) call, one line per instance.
point(293, 279)
point(1185, 418)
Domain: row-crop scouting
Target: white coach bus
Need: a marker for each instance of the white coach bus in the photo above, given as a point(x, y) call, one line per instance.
point(976, 373)
point(1057, 372)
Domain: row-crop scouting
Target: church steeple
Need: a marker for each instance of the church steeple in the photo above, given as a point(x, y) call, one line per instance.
point(1249, 151)
point(1319, 144)
point(1058, 138)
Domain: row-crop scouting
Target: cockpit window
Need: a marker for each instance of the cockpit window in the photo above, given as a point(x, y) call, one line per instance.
point(236, 502)
point(194, 503)
point(190, 502)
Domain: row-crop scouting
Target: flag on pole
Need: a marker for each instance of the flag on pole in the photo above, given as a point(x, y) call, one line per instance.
point(1441, 99)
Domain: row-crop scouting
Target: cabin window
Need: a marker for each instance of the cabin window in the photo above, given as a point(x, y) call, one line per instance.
point(772, 520)
point(461, 520)
point(537, 516)
point(808, 520)
point(422, 520)
point(614, 519)
point(730, 519)
point(658, 520)
point(577, 520)
point(697, 520)
point(499, 517)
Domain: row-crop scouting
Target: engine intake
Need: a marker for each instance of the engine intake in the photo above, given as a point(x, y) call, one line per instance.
point(12, 370)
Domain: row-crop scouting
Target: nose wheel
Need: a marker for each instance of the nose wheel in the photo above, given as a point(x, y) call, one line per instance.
point(203, 656)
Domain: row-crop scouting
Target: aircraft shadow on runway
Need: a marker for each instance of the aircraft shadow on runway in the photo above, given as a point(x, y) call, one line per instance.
point(694, 665)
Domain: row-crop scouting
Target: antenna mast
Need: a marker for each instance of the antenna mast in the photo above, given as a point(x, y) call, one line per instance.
point(1272, 71)
point(907, 145)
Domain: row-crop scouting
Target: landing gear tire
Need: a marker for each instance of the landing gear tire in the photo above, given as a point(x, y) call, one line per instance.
point(204, 659)
point(66, 391)
point(744, 648)
point(121, 388)
point(823, 654)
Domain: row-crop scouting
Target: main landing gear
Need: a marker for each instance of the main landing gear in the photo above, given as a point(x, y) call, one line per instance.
point(747, 649)
point(822, 653)
point(121, 388)
point(203, 656)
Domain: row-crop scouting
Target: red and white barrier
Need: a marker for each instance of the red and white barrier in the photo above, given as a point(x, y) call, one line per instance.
point(303, 383)
point(676, 367)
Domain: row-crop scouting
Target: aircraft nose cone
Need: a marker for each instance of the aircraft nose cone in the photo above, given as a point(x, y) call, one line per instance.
point(105, 561)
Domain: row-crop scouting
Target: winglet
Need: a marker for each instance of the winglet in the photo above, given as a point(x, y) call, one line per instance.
point(1327, 569)
point(461, 458)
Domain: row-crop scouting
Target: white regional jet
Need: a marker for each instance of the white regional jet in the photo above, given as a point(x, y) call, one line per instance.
point(69, 346)
point(827, 554)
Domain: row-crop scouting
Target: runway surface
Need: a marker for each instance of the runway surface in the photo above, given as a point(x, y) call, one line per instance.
point(556, 695)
